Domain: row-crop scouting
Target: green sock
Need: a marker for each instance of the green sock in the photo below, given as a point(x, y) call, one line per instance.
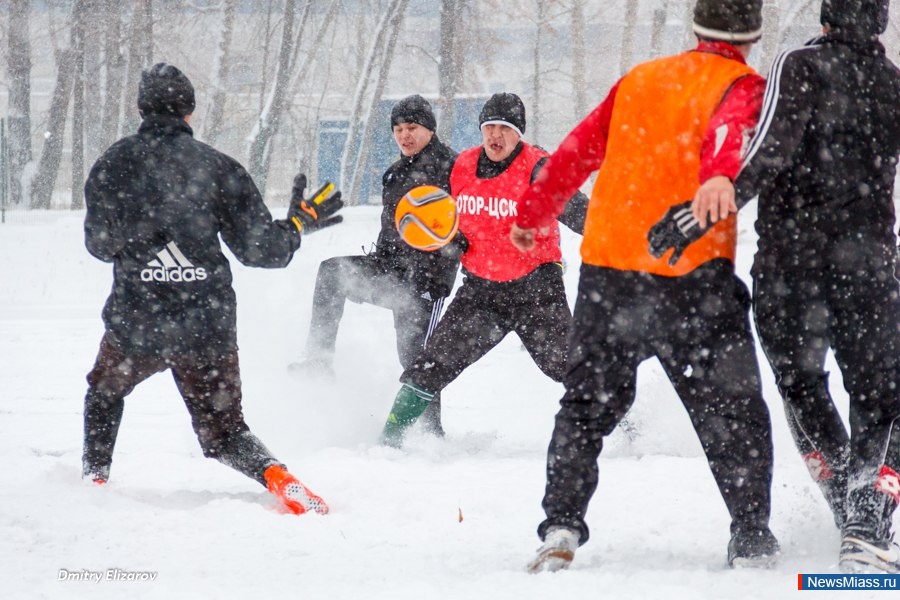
point(408, 406)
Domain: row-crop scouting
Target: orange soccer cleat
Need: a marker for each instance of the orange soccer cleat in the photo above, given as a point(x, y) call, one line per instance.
point(295, 496)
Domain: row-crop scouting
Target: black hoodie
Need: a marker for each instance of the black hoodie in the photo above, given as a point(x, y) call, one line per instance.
point(157, 202)
point(825, 155)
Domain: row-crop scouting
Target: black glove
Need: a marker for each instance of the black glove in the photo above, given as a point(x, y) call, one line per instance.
point(316, 212)
point(458, 246)
point(677, 229)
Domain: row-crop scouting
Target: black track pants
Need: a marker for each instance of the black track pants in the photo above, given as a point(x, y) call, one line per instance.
point(851, 306)
point(212, 393)
point(483, 312)
point(698, 327)
point(364, 279)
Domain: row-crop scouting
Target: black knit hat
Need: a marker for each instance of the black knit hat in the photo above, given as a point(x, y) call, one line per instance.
point(165, 90)
point(506, 109)
point(413, 109)
point(867, 17)
point(735, 21)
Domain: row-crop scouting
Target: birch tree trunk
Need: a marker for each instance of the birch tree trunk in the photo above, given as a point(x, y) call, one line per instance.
point(356, 148)
point(93, 25)
point(271, 115)
point(771, 34)
point(214, 118)
point(114, 61)
point(78, 44)
point(449, 66)
point(627, 59)
point(51, 152)
point(656, 36)
point(140, 44)
point(19, 115)
point(579, 80)
point(540, 30)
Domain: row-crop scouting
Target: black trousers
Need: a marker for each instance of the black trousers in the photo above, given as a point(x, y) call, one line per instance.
point(365, 279)
point(851, 304)
point(211, 389)
point(698, 327)
point(483, 312)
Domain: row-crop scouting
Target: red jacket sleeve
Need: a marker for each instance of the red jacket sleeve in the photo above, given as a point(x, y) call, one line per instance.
point(731, 128)
point(580, 154)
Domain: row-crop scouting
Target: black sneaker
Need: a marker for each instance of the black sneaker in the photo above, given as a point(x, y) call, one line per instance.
point(431, 418)
point(97, 474)
point(319, 369)
point(859, 555)
point(756, 548)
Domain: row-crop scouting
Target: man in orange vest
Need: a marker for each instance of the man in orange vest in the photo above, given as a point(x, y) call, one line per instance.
point(665, 127)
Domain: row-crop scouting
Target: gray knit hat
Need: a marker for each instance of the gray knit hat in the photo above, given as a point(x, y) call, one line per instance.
point(735, 21)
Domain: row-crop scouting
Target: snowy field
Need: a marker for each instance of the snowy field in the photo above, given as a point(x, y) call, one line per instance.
point(452, 518)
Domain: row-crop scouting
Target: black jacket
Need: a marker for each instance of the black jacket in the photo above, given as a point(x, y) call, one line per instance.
point(431, 272)
point(824, 158)
point(157, 202)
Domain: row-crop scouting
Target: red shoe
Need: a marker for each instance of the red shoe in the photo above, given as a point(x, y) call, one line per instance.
point(295, 496)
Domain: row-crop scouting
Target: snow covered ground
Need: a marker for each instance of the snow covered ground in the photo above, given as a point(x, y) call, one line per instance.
point(452, 518)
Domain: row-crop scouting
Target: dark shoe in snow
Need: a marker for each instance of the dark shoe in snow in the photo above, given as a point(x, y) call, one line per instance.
point(98, 475)
point(557, 551)
point(756, 548)
point(860, 555)
point(431, 418)
point(318, 369)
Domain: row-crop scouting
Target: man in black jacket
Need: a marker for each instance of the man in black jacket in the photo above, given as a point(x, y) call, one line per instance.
point(411, 283)
point(823, 163)
point(157, 203)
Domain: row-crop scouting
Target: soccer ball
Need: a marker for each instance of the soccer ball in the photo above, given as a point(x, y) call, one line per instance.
point(426, 218)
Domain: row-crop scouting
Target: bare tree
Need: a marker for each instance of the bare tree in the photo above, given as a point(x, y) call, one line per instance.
point(269, 120)
point(449, 65)
point(51, 152)
point(627, 56)
point(541, 31)
point(19, 116)
point(214, 118)
point(114, 62)
point(93, 25)
point(140, 55)
point(656, 36)
point(771, 36)
point(579, 80)
point(378, 61)
point(78, 43)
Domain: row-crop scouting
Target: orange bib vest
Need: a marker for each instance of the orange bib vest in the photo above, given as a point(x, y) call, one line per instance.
point(660, 117)
point(487, 210)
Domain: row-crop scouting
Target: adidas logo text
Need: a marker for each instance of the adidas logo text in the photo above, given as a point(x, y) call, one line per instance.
point(178, 274)
point(171, 266)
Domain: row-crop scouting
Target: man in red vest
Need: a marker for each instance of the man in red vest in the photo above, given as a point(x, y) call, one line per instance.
point(666, 126)
point(504, 290)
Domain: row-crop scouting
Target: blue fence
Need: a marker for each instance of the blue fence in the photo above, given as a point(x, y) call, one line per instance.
point(332, 136)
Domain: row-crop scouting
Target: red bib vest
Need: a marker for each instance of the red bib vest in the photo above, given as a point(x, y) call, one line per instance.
point(487, 211)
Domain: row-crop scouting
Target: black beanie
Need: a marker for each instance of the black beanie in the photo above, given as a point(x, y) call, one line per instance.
point(735, 21)
point(413, 109)
point(867, 17)
point(506, 109)
point(165, 90)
